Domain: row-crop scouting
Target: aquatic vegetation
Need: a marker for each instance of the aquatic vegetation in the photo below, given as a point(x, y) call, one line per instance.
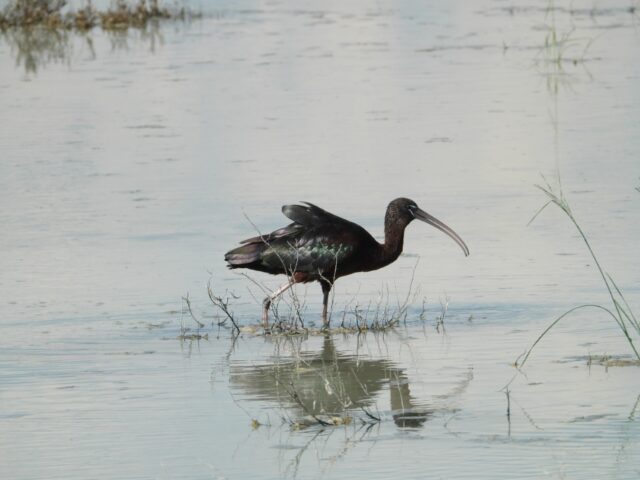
point(562, 47)
point(185, 332)
point(39, 32)
point(55, 14)
point(620, 312)
point(289, 319)
point(125, 15)
point(29, 13)
point(382, 313)
point(611, 361)
point(224, 306)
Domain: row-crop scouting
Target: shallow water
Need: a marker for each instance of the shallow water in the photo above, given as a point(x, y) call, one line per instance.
point(132, 162)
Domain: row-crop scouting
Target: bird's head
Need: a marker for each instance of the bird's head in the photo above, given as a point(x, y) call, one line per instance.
point(402, 211)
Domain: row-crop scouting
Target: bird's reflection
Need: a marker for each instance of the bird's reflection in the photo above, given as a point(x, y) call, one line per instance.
point(406, 411)
point(329, 383)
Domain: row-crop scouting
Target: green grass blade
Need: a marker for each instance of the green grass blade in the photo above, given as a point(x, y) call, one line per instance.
point(628, 310)
point(539, 212)
point(622, 308)
point(555, 322)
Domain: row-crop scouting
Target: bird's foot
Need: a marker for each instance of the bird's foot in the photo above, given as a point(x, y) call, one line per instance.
point(325, 325)
point(266, 303)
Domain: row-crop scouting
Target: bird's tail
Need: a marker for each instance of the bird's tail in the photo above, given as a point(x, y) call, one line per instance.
point(245, 255)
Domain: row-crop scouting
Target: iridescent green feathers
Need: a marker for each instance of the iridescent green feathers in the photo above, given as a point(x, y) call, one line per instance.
point(317, 244)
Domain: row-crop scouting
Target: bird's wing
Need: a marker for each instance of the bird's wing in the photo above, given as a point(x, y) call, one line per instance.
point(317, 241)
point(317, 250)
point(290, 230)
point(304, 217)
point(310, 215)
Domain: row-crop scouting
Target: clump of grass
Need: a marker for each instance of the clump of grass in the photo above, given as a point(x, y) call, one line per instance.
point(383, 314)
point(126, 15)
point(610, 361)
point(185, 332)
point(224, 305)
point(440, 319)
point(29, 13)
point(379, 317)
point(620, 312)
point(54, 14)
point(289, 312)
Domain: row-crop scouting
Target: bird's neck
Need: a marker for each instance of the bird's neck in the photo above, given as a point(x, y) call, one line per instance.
point(391, 249)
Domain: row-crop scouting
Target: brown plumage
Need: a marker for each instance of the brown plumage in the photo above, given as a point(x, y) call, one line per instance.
point(320, 246)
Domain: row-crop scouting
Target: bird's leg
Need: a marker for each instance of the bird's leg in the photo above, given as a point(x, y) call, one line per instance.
point(266, 303)
point(326, 288)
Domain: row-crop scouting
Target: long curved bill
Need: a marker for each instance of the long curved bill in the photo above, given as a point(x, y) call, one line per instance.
point(431, 220)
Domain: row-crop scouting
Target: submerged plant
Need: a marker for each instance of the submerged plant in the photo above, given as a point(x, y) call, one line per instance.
point(620, 312)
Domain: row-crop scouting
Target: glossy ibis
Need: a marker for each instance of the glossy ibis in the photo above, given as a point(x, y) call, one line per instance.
point(324, 247)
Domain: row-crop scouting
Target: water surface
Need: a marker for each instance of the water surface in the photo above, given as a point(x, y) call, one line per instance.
point(132, 162)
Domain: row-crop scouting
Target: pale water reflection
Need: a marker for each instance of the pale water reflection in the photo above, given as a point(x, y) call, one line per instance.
point(331, 384)
point(128, 165)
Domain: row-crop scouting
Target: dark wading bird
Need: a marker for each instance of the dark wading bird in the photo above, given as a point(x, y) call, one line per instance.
point(324, 247)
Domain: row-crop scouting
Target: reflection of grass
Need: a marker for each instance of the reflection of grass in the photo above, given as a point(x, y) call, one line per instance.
point(38, 31)
point(35, 47)
point(621, 311)
point(557, 47)
point(560, 48)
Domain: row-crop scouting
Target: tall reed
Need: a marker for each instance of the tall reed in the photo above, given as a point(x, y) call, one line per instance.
point(621, 312)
